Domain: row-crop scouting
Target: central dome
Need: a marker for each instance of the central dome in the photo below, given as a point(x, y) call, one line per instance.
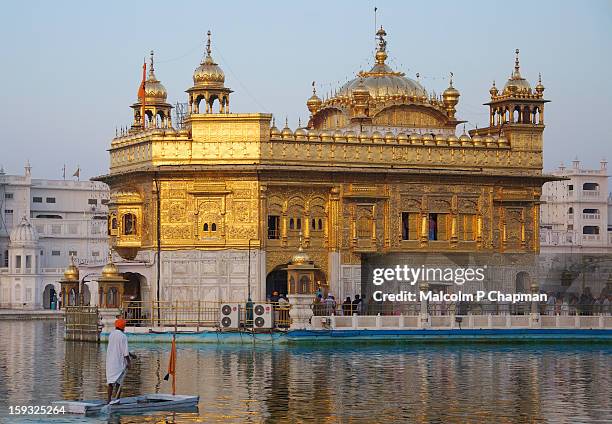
point(381, 80)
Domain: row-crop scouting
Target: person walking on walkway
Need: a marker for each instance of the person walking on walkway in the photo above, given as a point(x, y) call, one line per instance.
point(117, 358)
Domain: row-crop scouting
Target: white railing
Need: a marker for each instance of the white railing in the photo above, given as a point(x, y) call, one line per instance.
point(591, 237)
point(591, 216)
point(385, 322)
point(591, 193)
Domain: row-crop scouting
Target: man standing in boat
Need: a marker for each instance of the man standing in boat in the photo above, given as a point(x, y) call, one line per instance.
point(117, 357)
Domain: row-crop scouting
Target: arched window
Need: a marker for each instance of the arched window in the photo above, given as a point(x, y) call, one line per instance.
point(213, 227)
point(205, 226)
point(320, 224)
point(298, 223)
point(112, 298)
point(129, 224)
point(313, 224)
point(570, 210)
point(291, 224)
point(590, 186)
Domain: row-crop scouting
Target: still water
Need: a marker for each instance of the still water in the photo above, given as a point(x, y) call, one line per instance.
point(398, 383)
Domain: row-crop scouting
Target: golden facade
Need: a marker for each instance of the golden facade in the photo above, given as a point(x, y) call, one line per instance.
point(378, 168)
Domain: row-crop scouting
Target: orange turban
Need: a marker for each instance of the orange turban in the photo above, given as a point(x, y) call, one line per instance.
point(120, 324)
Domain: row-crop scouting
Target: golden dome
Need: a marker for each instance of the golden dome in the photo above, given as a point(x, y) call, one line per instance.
point(464, 138)
point(453, 140)
point(377, 137)
point(389, 137)
point(274, 132)
point(416, 139)
point(489, 140)
point(313, 135)
point(441, 140)
point(350, 136)
point(154, 90)
point(428, 139)
point(539, 88)
point(516, 83)
point(493, 90)
point(325, 135)
point(503, 141)
point(339, 136)
point(72, 272)
point(286, 133)
point(110, 270)
point(314, 102)
point(451, 94)
point(364, 137)
point(477, 140)
point(381, 80)
point(301, 134)
point(402, 138)
point(208, 74)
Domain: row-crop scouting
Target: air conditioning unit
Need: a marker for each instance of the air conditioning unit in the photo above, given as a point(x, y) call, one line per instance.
point(263, 315)
point(229, 316)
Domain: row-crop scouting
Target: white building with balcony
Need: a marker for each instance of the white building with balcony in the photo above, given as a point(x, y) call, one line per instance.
point(576, 231)
point(43, 223)
point(575, 213)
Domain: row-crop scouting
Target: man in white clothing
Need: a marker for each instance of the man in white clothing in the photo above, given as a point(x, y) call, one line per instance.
point(117, 357)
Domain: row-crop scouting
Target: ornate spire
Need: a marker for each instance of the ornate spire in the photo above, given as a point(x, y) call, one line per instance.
point(381, 51)
point(208, 44)
point(516, 74)
point(151, 68)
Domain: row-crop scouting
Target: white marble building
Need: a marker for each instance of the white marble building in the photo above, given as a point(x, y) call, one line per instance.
point(42, 224)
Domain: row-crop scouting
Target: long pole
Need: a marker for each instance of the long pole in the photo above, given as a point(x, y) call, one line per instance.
point(158, 241)
point(249, 273)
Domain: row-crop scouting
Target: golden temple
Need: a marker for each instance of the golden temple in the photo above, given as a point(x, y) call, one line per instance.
point(220, 204)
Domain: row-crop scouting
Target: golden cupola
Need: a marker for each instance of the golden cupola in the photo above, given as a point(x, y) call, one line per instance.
point(208, 85)
point(516, 84)
point(71, 273)
point(383, 97)
point(157, 111)
point(314, 102)
point(450, 98)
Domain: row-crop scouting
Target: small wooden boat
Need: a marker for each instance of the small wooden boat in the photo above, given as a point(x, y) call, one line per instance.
point(131, 405)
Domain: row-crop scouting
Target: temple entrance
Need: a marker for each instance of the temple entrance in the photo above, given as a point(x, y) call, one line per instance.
point(132, 288)
point(277, 281)
point(522, 282)
point(49, 296)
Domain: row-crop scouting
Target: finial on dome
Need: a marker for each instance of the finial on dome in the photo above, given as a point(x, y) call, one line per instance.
point(516, 61)
point(299, 122)
point(451, 80)
point(381, 51)
point(208, 44)
point(152, 68)
point(314, 89)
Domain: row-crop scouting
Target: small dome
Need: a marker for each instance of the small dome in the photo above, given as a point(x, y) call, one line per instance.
point(516, 84)
point(477, 140)
point(274, 132)
point(489, 140)
point(24, 233)
point(286, 133)
point(451, 94)
point(428, 139)
point(440, 140)
point(339, 136)
point(402, 138)
point(325, 136)
point(364, 137)
point(313, 135)
point(493, 90)
point(300, 258)
point(110, 270)
point(416, 138)
point(314, 102)
point(376, 136)
point(539, 88)
point(350, 136)
point(208, 74)
point(389, 137)
point(72, 272)
point(301, 134)
point(464, 138)
point(453, 140)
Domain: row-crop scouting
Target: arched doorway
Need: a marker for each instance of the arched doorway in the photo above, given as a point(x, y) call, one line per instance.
point(49, 296)
point(132, 287)
point(521, 284)
point(86, 295)
point(277, 281)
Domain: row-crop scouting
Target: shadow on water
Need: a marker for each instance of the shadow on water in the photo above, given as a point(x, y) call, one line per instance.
point(362, 383)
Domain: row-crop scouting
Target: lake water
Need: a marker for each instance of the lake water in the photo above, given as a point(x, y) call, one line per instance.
point(453, 383)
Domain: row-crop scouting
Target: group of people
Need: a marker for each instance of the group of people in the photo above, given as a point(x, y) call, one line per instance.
point(325, 306)
point(572, 304)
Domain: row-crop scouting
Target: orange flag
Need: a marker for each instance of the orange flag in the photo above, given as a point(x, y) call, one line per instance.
point(172, 365)
point(141, 92)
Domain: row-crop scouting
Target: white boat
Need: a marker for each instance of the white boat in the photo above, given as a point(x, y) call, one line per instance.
point(130, 405)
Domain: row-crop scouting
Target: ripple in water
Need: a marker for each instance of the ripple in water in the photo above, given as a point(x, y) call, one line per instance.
point(394, 383)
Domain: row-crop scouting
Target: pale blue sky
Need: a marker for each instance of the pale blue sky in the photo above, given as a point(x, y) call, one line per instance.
point(70, 70)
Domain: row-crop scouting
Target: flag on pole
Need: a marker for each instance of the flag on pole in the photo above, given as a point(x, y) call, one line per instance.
point(77, 173)
point(172, 365)
point(141, 93)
